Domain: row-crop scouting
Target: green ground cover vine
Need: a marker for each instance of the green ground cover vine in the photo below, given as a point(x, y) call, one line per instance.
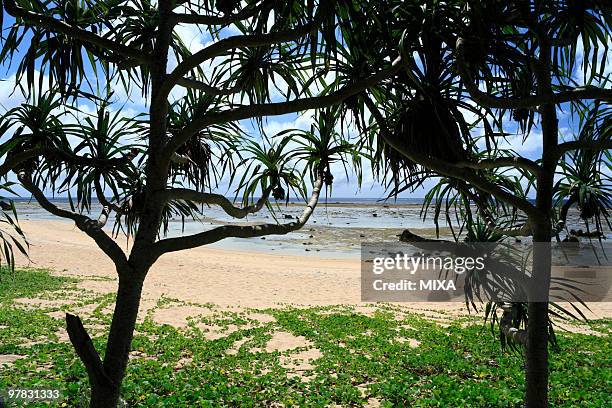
point(364, 355)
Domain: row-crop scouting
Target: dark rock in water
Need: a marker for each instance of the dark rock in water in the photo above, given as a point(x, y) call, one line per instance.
point(312, 236)
point(361, 235)
point(312, 229)
point(306, 249)
point(385, 206)
point(288, 216)
point(407, 236)
point(263, 237)
point(314, 222)
point(588, 234)
point(517, 240)
point(374, 215)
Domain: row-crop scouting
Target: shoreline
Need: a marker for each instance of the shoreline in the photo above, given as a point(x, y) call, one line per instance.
point(228, 278)
point(279, 205)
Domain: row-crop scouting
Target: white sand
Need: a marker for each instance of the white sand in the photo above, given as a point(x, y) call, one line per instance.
point(210, 275)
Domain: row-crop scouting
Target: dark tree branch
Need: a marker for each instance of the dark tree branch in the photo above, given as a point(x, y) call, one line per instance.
point(239, 231)
point(604, 144)
point(103, 217)
point(84, 223)
point(581, 93)
point(206, 88)
point(523, 230)
point(505, 325)
point(86, 351)
point(13, 161)
point(481, 205)
point(226, 44)
point(517, 162)
point(193, 18)
point(103, 200)
point(280, 108)
point(217, 199)
point(58, 26)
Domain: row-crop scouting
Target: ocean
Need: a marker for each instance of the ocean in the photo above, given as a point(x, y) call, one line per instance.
point(336, 229)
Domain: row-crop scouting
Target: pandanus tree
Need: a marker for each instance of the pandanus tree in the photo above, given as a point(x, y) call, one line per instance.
point(77, 138)
point(482, 78)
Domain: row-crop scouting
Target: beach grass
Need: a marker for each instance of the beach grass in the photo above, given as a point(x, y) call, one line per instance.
point(291, 356)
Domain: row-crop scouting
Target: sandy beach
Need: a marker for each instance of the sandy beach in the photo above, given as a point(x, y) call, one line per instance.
point(223, 277)
point(226, 278)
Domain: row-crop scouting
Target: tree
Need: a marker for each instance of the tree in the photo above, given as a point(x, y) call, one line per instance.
point(477, 73)
point(147, 169)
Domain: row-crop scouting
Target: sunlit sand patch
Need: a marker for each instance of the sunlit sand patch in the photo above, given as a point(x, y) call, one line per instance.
point(81, 311)
point(363, 389)
point(145, 306)
point(405, 327)
point(57, 314)
point(301, 362)
point(182, 362)
point(214, 332)
point(35, 303)
point(470, 323)
point(235, 349)
point(372, 403)
point(134, 354)
point(297, 353)
point(414, 343)
point(178, 316)
point(8, 359)
point(578, 328)
point(62, 335)
point(367, 310)
point(44, 367)
point(27, 343)
point(262, 317)
point(284, 341)
point(99, 286)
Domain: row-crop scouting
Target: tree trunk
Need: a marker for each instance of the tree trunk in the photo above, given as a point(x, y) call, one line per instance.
point(105, 377)
point(536, 373)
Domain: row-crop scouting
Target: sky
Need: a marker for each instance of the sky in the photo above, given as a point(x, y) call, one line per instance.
point(195, 39)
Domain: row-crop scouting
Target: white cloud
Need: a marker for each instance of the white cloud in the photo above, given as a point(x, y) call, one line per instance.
point(11, 94)
point(301, 121)
point(531, 144)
